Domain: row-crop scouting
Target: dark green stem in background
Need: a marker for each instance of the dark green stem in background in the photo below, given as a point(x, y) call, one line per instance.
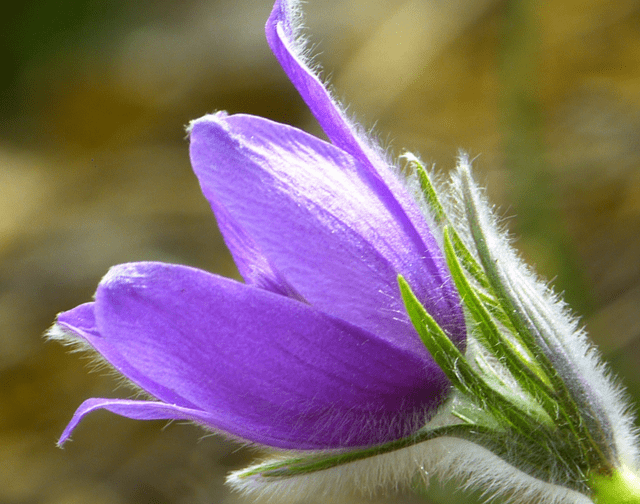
point(522, 124)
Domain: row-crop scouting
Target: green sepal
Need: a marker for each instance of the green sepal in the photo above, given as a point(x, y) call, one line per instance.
point(468, 261)
point(573, 413)
point(521, 366)
point(456, 367)
point(301, 464)
point(466, 409)
point(431, 197)
point(320, 461)
point(427, 187)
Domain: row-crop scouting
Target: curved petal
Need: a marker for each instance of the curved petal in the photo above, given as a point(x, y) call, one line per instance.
point(137, 410)
point(282, 31)
point(260, 366)
point(283, 35)
point(254, 267)
point(316, 214)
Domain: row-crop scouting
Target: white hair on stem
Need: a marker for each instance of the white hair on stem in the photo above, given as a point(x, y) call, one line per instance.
point(446, 458)
point(466, 463)
point(562, 326)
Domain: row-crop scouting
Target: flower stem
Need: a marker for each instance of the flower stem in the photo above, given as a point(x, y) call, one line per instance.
point(621, 487)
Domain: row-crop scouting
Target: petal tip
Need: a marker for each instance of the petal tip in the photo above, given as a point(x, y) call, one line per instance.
point(283, 29)
point(73, 423)
point(215, 117)
point(72, 327)
point(63, 439)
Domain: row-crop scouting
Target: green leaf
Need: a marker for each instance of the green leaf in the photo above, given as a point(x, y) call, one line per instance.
point(468, 261)
point(320, 461)
point(428, 189)
point(528, 330)
point(525, 372)
point(455, 366)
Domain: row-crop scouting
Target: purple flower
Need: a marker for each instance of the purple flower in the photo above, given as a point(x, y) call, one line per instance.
point(315, 349)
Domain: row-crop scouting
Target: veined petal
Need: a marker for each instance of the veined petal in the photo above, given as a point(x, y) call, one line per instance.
point(257, 365)
point(315, 213)
point(282, 31)
point(283, 35)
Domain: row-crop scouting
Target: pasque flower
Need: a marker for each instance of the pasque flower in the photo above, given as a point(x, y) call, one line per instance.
point(315, 350)
point(346, 347)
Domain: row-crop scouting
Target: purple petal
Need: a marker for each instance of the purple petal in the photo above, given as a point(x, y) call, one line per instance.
point(254, 267)
point(314, 214)
point(282, 31)
point(282, 35)
point(260, 366)
point(137, 410)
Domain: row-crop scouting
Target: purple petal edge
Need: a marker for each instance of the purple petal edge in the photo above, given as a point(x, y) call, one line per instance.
point(282, 32)
point(282, 36)
point(328, 233)
point(137, 410)
point(259, 366)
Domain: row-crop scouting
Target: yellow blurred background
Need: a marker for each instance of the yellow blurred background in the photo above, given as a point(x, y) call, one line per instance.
point(94, 171)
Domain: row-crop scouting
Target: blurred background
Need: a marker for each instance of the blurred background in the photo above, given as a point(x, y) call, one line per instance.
point(94, 171)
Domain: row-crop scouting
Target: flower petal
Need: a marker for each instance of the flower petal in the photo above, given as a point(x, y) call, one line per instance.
point(138, 410)
point(282, 31)
point(315, 213)
point(283, 35)
point(260, 366)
